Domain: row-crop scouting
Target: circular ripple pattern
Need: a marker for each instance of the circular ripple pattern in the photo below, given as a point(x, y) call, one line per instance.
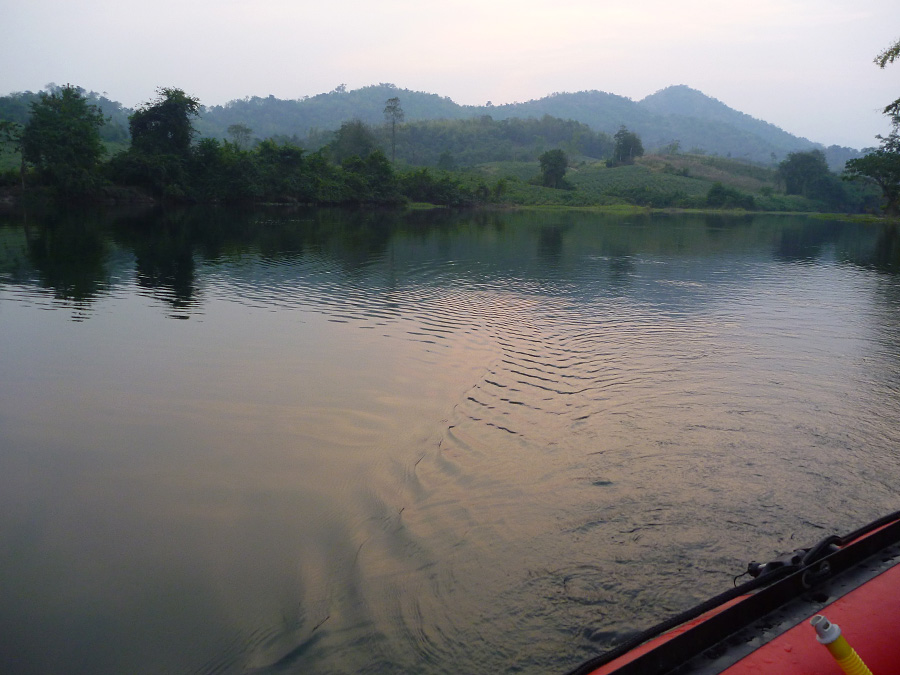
point(621, 453)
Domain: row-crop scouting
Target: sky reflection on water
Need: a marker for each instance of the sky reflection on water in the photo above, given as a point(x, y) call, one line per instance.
point(432, 443)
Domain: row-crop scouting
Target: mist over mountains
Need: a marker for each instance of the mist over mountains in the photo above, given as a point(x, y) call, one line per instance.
point(677, 114)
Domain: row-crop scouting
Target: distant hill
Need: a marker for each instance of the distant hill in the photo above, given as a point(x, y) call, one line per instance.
point(689, 106)
point(698, 123)
point(272, 116)
point(692, 115)
point(678, 113)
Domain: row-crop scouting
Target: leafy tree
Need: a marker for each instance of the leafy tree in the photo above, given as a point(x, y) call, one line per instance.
point(206, 167)
point(671, 149)
point(807, 174)
point(160, 153)
point(628, 147)
point(393, 114)
point(353, 139)
point(553, 167)
point(285, 173)
point(802, 172)
point(423, 186)
point(163, 126)
point(882, 167)
point(10, 135)
point(371, 179)
point(240, 134)
point(890, 55)
point(723, 197)
point(62, 141)
point(11, 140)
point(222, 172)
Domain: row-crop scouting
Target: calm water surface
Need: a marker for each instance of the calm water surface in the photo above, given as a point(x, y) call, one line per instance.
point(330, 442)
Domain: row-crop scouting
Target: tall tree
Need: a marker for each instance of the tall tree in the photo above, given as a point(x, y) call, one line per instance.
point(628, 147)
point(553, 167)
point(240, 134)
point(801, 172)
point(164, 125)
point(160, 153)
point(62, 141)
point(882, 168)
point(393, 115)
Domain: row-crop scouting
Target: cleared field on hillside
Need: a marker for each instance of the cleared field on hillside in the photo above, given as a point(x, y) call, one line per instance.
point(658, 181)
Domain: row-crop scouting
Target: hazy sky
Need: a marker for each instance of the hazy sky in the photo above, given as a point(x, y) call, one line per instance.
point(804, 65)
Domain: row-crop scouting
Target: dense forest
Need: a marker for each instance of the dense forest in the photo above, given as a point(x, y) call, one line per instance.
point(72, 145)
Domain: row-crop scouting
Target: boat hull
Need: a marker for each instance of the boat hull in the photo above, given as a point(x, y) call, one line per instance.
point(853, 580)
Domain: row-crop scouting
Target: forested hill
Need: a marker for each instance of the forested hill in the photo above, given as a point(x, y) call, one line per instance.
point(16, 108)
point(692, 114)
point(679, 114)
point(676, 114)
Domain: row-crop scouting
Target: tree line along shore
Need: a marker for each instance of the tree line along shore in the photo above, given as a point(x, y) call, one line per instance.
point(64, 153)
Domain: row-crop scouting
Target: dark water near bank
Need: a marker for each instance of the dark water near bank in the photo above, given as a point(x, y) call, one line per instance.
point(330, 442)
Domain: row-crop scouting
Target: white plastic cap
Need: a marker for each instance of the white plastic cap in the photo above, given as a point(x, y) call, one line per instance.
point(826, 632)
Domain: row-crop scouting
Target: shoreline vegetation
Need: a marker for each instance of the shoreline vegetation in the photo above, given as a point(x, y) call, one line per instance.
point(59, 155)
point(142, 205)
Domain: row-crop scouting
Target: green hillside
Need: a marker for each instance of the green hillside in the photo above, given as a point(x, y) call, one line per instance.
point(659, 181)
point(692, 113)
point(271, 116)
point(683, 103)
point(695, 121)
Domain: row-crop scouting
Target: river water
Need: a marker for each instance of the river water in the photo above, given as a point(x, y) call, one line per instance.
point(367, 442)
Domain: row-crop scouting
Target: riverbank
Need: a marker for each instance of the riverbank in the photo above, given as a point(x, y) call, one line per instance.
point(679, 184)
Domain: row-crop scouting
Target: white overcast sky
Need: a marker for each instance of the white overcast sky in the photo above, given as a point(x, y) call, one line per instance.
point(804, 65)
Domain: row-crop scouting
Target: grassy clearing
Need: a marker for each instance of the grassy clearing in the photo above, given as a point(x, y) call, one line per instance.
point(740, 175)
point(657, 181)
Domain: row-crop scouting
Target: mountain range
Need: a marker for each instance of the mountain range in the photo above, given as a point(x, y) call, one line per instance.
point(676, 114)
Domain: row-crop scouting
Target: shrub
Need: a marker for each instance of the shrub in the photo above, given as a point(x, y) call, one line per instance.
point(722, 197)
